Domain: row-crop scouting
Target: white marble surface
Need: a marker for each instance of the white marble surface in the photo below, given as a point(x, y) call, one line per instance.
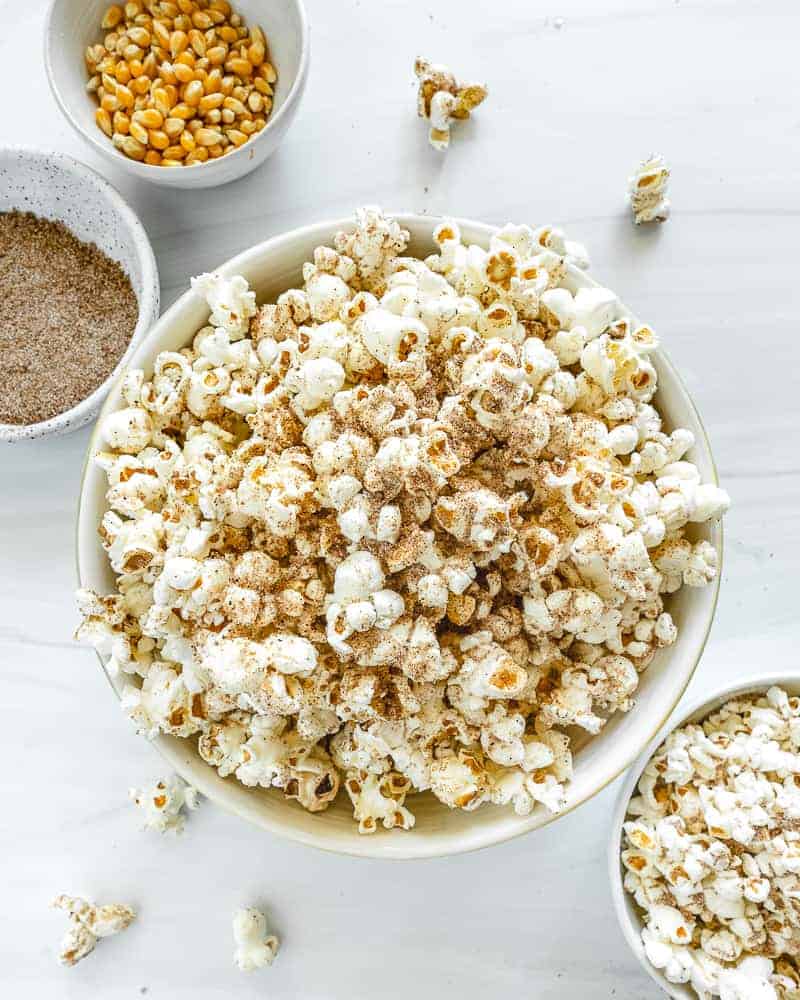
point(711, 83)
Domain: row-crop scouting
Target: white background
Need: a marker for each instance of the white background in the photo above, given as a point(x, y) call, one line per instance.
point(573, 106)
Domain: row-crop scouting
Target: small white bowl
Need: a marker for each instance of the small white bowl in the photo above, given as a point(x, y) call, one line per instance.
point(628, 913)
point(271, 268)
point(57, 187)
point(72, 25)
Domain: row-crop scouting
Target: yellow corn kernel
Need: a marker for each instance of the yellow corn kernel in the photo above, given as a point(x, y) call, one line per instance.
point(237, 138)
point(103, 120)
point(139, 132)
point(178, 41)
point(112, 17)
point(207, 137)
point(132, 148)
point(173, 127)
point(217, 54)
point(157, 139)
point(151, 118)
point(210, 102)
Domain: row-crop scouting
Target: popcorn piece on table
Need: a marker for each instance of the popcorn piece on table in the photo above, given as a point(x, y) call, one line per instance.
point(647, 191)
point(255, 949)
point(442, 100)
point(162, 804)
point(87, 924)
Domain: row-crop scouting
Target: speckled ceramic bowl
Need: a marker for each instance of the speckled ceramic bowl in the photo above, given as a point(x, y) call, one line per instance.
point(57, 187)
point(272, 267)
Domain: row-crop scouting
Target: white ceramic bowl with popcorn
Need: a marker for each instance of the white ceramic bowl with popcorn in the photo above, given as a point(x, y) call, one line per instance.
point(682, 971)
point(398, 589)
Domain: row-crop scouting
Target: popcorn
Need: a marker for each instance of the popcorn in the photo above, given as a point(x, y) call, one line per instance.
point(400, 530)
point(442, 100)
point(379, 799)
point(231, 302)
point(647, 191)
point(705, 851)
point(162, 804)
point(127, 430)
point(255, 949)
point(87, 924)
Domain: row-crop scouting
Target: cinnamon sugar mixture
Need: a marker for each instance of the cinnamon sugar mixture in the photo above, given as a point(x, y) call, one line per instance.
point(67, 313)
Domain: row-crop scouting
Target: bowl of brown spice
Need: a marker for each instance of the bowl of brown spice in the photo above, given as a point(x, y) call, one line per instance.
point(78, 290)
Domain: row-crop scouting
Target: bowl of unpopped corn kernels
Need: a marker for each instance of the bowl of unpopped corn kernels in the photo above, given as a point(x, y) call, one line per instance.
point(400, 537)
point(191, 93)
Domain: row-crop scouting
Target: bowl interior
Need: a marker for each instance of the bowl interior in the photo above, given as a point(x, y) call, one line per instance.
point(271, 267)
point(59, 188)
point(75, 24)
point(628, 912)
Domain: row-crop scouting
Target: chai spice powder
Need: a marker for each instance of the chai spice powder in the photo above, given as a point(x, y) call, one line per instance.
point(67, 314)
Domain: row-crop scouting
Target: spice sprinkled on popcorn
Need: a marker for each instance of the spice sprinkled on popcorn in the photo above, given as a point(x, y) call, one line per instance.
point(712, 851)
point(162, 804)
point(443, 100)
point(647, 191)
point(255, 949)
point(87, 924)
point(400, 530)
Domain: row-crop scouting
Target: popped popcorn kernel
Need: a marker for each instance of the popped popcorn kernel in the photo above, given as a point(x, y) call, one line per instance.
point(442, 100)
point(399, 530)
point(87, 924)
point(712, 853)
point(163, 802)
point(647, 191)
point(255, 949)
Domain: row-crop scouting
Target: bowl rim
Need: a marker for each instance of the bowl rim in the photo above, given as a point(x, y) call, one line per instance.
point(698, 709)
point(378, 846)
point(148, 304)
point(146, 171)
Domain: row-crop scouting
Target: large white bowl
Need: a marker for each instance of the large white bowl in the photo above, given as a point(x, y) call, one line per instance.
point(57, 187)
point(628, 913)
point(72, 25)
point(272, 267)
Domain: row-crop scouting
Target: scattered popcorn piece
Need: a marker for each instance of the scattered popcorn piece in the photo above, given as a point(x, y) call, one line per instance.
point(255, 949)
point(87, 924)
point(162, 804)
point(647, 191)
point(399, 530)
point(711, 851)
point(442, 100)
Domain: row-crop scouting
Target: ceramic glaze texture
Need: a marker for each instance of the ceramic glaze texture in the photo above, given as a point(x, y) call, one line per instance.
point(270, 268)
point(72, 25)
point(57, 187)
